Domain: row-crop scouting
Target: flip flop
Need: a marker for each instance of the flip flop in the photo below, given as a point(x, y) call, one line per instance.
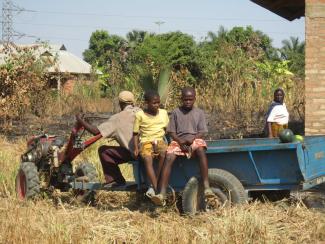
point(158, 200)
point(150, 192)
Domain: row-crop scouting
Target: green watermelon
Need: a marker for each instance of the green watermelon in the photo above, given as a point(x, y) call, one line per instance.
point(286, 136)
point(298, 138)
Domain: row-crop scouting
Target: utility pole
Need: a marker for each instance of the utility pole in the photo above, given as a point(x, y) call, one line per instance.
point(159, 23)
point(8, 32)
point(7, 29)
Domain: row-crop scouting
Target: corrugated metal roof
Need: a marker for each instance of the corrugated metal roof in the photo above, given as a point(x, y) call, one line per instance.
point(66, 61)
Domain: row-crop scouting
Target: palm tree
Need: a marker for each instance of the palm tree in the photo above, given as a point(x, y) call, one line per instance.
point(221, 33)
point(294, 51)
point(136, 37)
point(292, 46)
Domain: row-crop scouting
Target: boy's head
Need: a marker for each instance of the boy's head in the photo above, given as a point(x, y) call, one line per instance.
point(152, 99)
point(188, 98)
point(278, 95)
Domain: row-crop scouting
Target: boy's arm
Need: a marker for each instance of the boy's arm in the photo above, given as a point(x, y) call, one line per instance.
point(199, 135)
point(181, 142)
point(88, 127)
point(136, 144)
point(202, 127)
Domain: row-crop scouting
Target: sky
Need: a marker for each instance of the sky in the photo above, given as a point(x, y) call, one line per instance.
point(71, 22)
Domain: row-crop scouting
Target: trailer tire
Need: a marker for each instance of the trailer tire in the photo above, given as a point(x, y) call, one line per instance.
point(27, 181)
point(87, 169)
point(226, 187)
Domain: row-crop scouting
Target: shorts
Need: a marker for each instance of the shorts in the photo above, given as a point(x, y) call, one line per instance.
point(153, 149)
point(174, 148)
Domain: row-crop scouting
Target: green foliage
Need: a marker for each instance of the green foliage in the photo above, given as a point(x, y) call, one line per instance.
point(294, 51)
point(147, 81)
point(276, 74)
point(170, 49)
point(236, 70)
point(102, 48)
point(135, 37)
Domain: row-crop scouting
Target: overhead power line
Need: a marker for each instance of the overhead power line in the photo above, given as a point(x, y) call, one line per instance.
point(128, 28)
point(146, 16)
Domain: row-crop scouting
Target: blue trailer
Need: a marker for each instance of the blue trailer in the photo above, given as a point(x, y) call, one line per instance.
point(242, 168)
point(262, 164)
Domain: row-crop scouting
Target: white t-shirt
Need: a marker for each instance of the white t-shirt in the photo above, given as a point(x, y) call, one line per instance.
point(279, 115)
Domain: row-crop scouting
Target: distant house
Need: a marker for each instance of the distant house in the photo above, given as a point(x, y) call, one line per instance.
point(67, 68)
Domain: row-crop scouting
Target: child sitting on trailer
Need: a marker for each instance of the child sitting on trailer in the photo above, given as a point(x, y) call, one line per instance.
point(149, 129)
point(187, 127)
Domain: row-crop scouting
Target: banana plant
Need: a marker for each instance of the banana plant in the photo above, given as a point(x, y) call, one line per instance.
point(162, 84)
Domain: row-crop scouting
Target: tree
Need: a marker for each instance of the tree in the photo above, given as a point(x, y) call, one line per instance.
point(294, 51)
point(102, 48)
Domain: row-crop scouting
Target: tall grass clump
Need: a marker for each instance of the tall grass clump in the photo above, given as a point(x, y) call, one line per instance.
point(9, 163)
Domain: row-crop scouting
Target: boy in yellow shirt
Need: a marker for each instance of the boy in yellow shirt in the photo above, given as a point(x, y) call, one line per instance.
point(149, 129)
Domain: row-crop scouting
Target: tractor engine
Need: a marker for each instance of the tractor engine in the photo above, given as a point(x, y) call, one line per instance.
point(43, 151)
point(47, 164)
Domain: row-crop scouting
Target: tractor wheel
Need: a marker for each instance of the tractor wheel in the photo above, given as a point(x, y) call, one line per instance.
point(225, 186)
point(27, 181)
point(88, 170)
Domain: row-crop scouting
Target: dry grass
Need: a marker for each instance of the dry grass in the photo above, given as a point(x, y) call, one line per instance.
point(71, 104)
point(45, 222)
point(61, 220)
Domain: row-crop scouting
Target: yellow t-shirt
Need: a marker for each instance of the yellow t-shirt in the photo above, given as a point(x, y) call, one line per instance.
point(151, 127)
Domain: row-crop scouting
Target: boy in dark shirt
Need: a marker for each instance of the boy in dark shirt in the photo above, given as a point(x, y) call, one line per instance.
point(186, 127)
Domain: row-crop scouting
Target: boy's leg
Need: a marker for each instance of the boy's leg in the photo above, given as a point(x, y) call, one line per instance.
point(159, 199)
point(161, 160)
point(150, 171)
point(164, 179)
point(203, 161)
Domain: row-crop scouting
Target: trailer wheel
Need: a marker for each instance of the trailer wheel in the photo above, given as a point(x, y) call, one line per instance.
point(226, 187)
point(27, 181)
point(87, 169)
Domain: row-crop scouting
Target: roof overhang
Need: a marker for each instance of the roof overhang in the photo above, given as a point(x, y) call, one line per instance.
point(288, 9)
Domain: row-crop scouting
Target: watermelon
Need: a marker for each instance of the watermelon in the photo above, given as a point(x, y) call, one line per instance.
point(286, 136)
point(298, 138)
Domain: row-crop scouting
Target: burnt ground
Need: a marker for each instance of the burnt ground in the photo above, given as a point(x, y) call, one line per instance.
point(220, 126)
point(55, 125)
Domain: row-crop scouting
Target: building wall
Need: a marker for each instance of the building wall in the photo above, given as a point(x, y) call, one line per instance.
point(315, 67)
